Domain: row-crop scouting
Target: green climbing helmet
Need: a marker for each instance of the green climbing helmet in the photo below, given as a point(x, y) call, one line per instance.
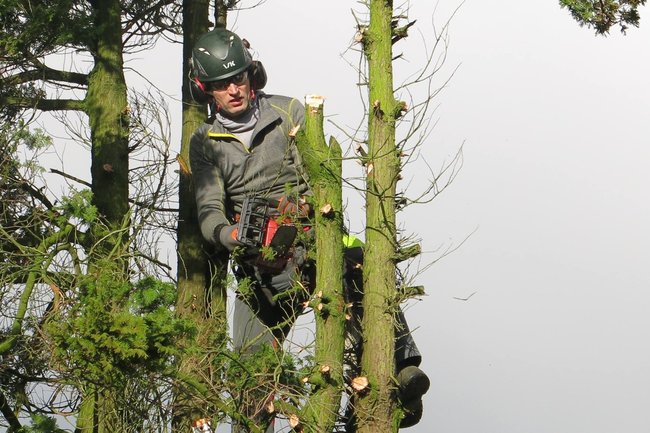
point(219, 54)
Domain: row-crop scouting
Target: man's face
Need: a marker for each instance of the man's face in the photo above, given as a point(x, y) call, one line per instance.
point(232, 95)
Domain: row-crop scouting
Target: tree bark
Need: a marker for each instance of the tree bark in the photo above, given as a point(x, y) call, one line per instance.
point(376, 412)
point(108, 114)
point(192, 260)
point(323, 165)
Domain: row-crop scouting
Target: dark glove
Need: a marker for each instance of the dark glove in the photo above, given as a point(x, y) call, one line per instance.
point(226, 235)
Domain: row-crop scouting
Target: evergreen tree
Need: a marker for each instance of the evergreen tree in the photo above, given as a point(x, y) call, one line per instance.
point(602, 15)
point(90, 230)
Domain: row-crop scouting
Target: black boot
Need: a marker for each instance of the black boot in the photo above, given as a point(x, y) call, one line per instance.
point(412, 413)
point(413, 384)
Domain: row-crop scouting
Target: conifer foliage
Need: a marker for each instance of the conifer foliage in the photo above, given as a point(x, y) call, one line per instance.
point(602, 15)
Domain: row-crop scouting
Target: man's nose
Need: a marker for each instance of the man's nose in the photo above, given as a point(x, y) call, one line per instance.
point(232, 88)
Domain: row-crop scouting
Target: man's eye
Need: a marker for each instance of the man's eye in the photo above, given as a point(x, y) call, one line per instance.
point(217, 85)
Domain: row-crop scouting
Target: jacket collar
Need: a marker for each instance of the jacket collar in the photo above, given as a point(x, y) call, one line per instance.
point(268, 115)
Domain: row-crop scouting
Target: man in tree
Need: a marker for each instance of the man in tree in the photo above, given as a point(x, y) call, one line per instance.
point(244, 162)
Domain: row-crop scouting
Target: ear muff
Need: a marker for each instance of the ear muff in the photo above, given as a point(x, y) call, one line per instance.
point(197, 90)
point(257, 75)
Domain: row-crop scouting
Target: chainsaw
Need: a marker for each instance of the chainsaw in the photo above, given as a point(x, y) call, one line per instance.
point(264, 236)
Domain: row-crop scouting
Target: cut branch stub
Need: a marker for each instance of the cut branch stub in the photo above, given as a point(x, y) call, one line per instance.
point(362, 153)
point(400, 32)
point(376, 108)
point(402, 107)
point(408, 252)
point(314, 102)
point(294, 131)
point(360, 35)
point(294, 423)
point(412, 291)
point(327, 210)
point(360, 384)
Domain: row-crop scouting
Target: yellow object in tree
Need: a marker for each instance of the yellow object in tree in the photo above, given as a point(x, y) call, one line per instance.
point(350, 241)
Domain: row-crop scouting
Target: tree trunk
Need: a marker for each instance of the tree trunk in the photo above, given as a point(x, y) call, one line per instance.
point(376, 413)
point(107, 109)
point(192, 259)
point(201, 275)
point(323, 165)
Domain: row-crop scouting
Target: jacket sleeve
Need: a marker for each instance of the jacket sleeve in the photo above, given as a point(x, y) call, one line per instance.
point(208, 185)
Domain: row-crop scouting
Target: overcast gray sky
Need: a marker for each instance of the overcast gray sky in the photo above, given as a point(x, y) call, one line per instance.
point(554, 122)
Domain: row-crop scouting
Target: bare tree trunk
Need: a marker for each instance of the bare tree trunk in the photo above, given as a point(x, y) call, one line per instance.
point(323, 165)
point(192, 260)
point(107, 109)
point(376, 412)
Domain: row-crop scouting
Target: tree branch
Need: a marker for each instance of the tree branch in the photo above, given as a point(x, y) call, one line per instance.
point(35, 193)
point(401, 32)
point(45, 73)
point(70, 177)
point(9, 414)
point(44, 104)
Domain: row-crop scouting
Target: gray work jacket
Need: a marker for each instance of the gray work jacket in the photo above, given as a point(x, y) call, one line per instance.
point(224, 171)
